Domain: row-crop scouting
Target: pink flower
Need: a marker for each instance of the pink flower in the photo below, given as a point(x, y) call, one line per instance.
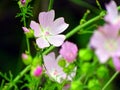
point(47, 32)
point(69, 51)
point(37, 71)
point(106, 42)
point(54, 71)
point(116, 62)
point(112, 16)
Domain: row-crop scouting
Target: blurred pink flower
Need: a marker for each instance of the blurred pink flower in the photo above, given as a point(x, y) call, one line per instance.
point(116, 62)
point(37, 71)
point(69, 51)
point(112, 16)
point(47, 32)
point(53, 70)
point(106, 42)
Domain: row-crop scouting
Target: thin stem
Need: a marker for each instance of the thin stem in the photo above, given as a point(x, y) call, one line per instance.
point(28, 45)
point(50, 5)
point(7, 87)
point(79, 27)
point(111, 79)
point(27, 40)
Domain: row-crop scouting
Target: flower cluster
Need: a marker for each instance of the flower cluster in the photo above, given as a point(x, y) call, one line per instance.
point(53, 69)
point(106, 39)
point(48, 33)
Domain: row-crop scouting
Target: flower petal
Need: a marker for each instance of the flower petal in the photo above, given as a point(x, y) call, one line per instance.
point(25, 29)
point(109, 30)
point(36, 27)
point(116, 62)
point(58, 26)
point(52, 67)
point(102, 55)
point(46, 18)
point(69, 51)
point(56, 40)
point(97, 40)
point(49, 61)
point(112, 12)
point(42, 43)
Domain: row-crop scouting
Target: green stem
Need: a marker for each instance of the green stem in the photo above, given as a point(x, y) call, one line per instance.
point(111, 79)
point(7, 87)
point(76, 29)
point(79, 27)
point(28, 45)
point(50, 5)
point(27, 40)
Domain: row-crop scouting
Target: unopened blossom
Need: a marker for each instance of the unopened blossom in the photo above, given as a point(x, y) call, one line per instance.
point(23, 1)
point(106, 42)
point(25, 30)
point(48, 31)
point(69, 51)
point(24, 56)
point(116, 62)
point(53, 70)
point(113, 16)
point(37, 71)
point(27, 59)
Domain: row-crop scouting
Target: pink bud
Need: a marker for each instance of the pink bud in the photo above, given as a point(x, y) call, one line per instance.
point(38, 71)
point(25, 29)
point(24, 56)
point(27, 59)
point(23, 1)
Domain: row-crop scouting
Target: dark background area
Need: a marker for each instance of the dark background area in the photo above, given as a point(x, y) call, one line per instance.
point(12, 42)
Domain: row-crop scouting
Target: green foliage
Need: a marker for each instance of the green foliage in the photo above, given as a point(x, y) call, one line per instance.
point(32, 82)
point(26, 11)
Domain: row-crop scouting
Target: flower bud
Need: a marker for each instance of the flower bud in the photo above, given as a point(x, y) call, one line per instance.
point(85, 54)
point(62, 63)
point(28, 32)
point(27, 59)
point(102, 72)
point(76, 85)
point(36, 71)
point(94, 84)
point(23, 2)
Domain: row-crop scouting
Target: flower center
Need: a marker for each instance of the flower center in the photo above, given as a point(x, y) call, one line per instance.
point(47, 33)
point(111, 45)
point(54, 73)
